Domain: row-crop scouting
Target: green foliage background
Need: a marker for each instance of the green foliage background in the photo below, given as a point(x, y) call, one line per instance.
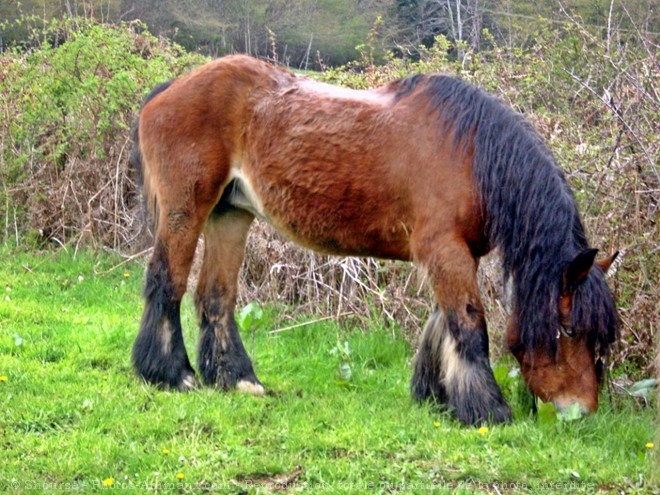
point(68, 107)
point(313, 33)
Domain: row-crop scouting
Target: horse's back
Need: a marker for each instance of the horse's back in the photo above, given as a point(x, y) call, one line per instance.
point(355, 172)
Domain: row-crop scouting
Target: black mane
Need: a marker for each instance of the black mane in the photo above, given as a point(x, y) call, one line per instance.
point(531, 213)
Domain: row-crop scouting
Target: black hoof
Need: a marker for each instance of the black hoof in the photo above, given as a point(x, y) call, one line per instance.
point(477, 409)
point(224, 363)
point(452, 369)
point(167, 375)
point(166, 370)
point(228, 372)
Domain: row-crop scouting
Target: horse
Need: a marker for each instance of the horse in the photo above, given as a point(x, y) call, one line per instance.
point(428, 169)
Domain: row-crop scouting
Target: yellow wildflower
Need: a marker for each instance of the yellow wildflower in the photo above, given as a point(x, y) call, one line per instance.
point(179, 476)
point(483, 430)
point(437, 424)
point(108, 482)
point(649, 445)
point(126, 274)
point(166, 452)
point(3, 378)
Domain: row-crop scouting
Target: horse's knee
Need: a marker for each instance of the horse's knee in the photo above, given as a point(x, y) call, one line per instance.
point(452, 367)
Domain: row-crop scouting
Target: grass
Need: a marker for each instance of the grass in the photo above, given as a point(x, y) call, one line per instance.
point(74, 418)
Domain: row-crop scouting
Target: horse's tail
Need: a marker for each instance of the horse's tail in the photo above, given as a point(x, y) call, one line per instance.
point(135, 162)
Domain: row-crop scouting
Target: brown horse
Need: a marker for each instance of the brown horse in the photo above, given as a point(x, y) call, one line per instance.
point(428, 168)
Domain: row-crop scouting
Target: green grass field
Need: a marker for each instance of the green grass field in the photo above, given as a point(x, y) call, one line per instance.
point(73, 418)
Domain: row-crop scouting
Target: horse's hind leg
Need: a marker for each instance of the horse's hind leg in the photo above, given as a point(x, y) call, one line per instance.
point(223, 360)
point(159, 353)
point(452, 364)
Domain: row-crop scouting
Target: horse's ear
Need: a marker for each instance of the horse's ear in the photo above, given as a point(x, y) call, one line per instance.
point(607, 262)
point(576, 271)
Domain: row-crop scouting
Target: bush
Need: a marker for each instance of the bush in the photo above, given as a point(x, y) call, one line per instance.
point(69, 103)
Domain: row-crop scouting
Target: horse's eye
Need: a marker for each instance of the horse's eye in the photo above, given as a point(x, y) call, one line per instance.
point(567, 331)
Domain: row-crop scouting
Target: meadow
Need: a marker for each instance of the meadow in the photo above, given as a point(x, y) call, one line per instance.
point(338, 417)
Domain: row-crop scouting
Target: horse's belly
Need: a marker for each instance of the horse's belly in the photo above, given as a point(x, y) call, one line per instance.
point(344, 222)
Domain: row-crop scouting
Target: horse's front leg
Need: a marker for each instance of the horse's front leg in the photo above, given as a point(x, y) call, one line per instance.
point(452, 364)
point(223, 360)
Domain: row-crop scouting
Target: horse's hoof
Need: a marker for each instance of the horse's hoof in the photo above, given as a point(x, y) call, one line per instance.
point(476, 416)
point(501, 414)
point(251, 388)
point(187, 383)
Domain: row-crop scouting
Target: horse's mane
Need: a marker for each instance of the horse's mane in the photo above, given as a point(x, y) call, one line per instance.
point(531, 213)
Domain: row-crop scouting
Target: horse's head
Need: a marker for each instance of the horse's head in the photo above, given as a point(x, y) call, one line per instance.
point(568, 370)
